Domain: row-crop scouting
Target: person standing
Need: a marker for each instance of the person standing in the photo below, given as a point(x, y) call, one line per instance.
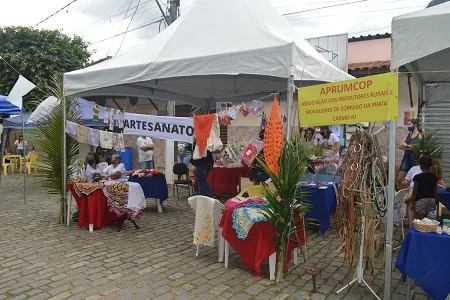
point(20, 145)
point(407, 145)
point(424, 195)
point(203, 166)
point(146, 158)
point(184, 153)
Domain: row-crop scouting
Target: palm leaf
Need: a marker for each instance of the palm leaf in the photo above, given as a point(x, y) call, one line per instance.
point(431, 144)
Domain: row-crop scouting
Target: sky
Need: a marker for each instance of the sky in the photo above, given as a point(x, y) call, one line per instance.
point(101, 22)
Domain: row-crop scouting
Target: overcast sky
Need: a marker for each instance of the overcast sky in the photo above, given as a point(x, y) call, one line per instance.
point(99, 20)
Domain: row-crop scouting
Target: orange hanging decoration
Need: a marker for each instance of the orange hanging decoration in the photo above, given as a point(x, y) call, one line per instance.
point(202, 128)
point(273, 138)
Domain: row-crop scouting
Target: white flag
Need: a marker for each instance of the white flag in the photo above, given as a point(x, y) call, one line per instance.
point(20, 89)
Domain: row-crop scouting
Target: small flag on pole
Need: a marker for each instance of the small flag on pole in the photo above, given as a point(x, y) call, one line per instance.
point(20, 89)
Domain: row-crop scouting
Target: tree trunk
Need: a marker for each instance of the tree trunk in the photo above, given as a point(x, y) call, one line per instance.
point(279, 272)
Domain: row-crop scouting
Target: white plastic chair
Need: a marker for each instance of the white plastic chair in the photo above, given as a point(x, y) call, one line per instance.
point(400, 197)
point(221, 241)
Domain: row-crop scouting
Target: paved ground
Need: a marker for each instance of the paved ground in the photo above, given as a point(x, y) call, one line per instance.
point(40, 259)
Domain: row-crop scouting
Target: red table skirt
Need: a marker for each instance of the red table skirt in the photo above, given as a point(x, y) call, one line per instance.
point(258, 245)
point(94, 209)
point(225, 181)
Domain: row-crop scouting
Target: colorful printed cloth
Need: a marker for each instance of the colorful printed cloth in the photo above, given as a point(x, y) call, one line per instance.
point(125, 198)
point(237, 201)
point(245, 216)
point(86, 188)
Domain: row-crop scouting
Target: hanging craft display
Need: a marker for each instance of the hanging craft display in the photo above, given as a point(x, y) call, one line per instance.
point(112, 113)
point(96, 111)
point(93, 137)
point(273, 138)
point(251, 150)
point(71, 129)
point(106, 117)
point(244, 110)
point(82, 134)
point(202, 129)
point(120, 119)
point(263, 121)
point(106, 140)
point(256, 107)
point(233, 112)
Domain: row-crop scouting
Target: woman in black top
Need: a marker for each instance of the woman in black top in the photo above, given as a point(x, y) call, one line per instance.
point(424, 194)
point(202, 168)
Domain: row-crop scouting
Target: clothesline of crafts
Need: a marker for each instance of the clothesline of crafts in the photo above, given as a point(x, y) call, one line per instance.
point(95, 137)
point(113, 117)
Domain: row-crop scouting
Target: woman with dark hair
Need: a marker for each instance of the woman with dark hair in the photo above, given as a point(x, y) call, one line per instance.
point(92, 166)
point(330, 142)
point(425, 189)
point(257, 173)
point(309, 134)
point(406, 144)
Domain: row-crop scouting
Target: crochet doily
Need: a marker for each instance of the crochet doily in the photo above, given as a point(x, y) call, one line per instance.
point(273, 138)
point(202, 127)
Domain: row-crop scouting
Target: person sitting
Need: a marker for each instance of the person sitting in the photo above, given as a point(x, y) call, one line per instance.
point(309, 135)
point(33, 151)
point(93, 167)
point(116, 170)
point(330, 143)
point(424, 195)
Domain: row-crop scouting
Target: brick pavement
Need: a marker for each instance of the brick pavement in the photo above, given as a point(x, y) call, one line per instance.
point(40, 259)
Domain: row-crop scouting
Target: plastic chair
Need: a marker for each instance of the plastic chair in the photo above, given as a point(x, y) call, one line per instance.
point(400, 197)
point(182, 170)
point(30, 163)
point(7, 165)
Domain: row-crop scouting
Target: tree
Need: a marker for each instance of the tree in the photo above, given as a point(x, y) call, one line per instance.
point(38, 54)
point(436, 2)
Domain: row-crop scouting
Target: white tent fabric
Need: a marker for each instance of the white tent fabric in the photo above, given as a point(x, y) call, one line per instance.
point(219, 50)
point(43, 109)
point(421, 42)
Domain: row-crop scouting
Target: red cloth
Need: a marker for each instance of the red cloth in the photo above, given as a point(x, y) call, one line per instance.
point(225, 181)
point(258, 245)
point(94, 210)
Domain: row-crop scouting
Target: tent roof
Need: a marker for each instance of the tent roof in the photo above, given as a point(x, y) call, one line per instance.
point(7, 107)
point(218, 50)
point(421, 42)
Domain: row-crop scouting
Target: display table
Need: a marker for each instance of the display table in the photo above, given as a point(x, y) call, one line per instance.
point(258, 245)
point(15, 159)
point(322, 201)
point(93, 210)
point(153, 187)
point(425, 258)
point(225, 181)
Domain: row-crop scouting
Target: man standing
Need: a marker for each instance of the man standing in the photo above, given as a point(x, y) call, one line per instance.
point(145, 146)
point(19, 145)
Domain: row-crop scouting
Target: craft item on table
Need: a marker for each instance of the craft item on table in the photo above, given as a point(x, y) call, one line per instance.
point(244, 110)
point(96, 111)
point(256, 107)
point(120, 119)
point(82, 134)
point(202, 130)
point(71, 129)
point(125, 199)
point(93, 137)
point(146, 173)
point(251, 150)
point(106, 139)
point(86, 188)
point(213, 141)
point(233, 112)
point(208, 212)
point(112, 113)
point(243, 201)
point(244, 217)
point(106, 117)
point(273, 138)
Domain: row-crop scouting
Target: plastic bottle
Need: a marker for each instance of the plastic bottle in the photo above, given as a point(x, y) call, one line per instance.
point(432, 214)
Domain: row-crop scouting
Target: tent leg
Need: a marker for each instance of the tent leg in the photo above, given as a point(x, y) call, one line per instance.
point(24, 162)
point(170, 152)
point(390, 209)
point(290, 97)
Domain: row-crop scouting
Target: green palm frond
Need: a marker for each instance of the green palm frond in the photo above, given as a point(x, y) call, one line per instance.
point(431, 143)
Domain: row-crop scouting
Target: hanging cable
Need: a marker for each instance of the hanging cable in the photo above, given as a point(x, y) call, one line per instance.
point(126, 31)
point(318, 8)
point(55, 13)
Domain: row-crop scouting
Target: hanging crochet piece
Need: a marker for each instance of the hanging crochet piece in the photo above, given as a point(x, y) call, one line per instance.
point(273, 138)
point(120, 119)
point(96, 111)
point(112, 113)
point(256, 107)
point(244, 110)
point(82, 134)
point(106, 140)
point(93, 137)
point(233, 112)
point(71, 129)
point(202, 130)
point(106, 117)
point(226, 120)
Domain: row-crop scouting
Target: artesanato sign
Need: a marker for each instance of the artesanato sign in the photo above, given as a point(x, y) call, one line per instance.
point(168, 128)
point(371, 98)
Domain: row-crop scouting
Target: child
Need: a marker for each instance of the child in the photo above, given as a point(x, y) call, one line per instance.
point(425, 189)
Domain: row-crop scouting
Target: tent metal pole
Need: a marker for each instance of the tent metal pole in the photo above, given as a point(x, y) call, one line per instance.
point(24, 162)
point(2, 148)
point(289, 102)
point(64, 157)
point(390, 209)
point(170, 150)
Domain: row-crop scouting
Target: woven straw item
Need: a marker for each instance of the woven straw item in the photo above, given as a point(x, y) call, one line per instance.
point(425, 228)
point(273, 138)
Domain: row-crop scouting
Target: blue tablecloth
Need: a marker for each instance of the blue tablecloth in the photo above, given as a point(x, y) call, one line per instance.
point(444, 197)
point(425, 258)
point(153, 187)
point(322, 201)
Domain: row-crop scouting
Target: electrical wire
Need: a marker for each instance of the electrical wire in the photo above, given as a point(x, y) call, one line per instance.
point(323, 7)
point(123, 19)
point(55, 13)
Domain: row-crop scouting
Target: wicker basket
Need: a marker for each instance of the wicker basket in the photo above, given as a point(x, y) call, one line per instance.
point(426, 228)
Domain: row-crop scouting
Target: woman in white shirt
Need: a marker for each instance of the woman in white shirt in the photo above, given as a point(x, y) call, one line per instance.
point(93, 167)
point(330, 143)
point(116, 170)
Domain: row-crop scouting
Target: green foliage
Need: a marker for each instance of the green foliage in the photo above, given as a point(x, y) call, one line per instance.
point(50, 140)
point(431, 143)
point(38, 54)
point(286, 202)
